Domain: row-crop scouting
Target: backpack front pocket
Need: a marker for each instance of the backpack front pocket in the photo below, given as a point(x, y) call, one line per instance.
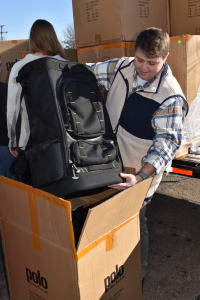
point(87, 153)
point(82, 109)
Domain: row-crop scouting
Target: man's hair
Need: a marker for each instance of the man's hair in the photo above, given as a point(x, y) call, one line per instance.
point(44, 39)
point(153, 42)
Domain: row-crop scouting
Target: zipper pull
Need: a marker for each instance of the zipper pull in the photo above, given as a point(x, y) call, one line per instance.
point(75, 168)
point(74, 171)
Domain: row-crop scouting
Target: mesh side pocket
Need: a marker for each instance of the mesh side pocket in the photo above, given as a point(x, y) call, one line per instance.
point(46, 163)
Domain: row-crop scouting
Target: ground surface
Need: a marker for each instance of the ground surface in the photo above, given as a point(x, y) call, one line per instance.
point(173, 271)
point(174, 254)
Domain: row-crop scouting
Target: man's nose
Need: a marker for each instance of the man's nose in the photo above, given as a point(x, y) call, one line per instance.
point(144, 66)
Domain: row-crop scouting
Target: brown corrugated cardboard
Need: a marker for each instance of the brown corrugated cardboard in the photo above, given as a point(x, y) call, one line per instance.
point(183, 152)
point(101, 53)
point(185, 17)
point(130, 49)
point(10, 52)
point(71, 54)
point(41, 258)
point(102, 21)
point(184, 60)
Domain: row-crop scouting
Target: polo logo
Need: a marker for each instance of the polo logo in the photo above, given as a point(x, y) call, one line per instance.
point(36, 278)
point(115, 277)
point(9, 65)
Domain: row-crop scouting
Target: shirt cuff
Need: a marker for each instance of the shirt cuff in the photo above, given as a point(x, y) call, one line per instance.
point(12, 144)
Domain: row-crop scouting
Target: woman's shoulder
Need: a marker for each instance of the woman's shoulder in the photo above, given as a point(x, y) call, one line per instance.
point(19, 64)
point(59, 57)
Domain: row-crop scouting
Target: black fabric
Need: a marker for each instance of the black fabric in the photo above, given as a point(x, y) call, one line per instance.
point(83, 103)
point(135, 107)
point(86, 153)
point(88, 182)
point(3, 121)
point(46, 164)
point(72, 146)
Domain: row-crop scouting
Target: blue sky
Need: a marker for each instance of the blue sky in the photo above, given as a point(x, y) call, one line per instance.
point(19, 15)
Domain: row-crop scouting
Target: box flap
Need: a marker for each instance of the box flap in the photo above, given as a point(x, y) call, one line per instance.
point(78, 202)
point(38, 212)
point(108, 215)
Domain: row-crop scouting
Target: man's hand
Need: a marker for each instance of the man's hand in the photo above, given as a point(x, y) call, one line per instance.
point(14, 151)
point(130, 181)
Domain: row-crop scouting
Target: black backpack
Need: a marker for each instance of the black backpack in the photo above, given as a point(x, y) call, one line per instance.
point(72, 146)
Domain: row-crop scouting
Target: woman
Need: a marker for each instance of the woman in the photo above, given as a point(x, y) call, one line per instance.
point(43, 42)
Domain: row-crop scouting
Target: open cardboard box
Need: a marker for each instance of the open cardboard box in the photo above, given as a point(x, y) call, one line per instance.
point(39, 246)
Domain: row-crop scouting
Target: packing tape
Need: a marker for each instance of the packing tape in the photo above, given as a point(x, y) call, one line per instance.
point(109, 242)
point(129, 44)
point(100, 47)
point(32, 193)
point(183, 38)
point(108, 238)
point(34, 220)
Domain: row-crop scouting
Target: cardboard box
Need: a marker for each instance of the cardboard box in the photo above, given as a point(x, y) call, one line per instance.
point(24, 53)
point(107, 21)
point(10, 52)
point(185, 17)
point(71, 54)
point(184, 60)
point(183, 152)
point(130, 49)
point(101, 53)
point(41, 258)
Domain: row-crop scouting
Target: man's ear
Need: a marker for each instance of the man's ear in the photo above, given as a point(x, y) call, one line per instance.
point(165, 58)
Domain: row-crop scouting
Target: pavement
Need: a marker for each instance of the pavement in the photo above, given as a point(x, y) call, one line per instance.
point(173, 271)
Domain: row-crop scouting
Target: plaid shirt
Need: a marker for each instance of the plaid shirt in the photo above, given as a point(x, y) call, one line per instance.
point(167, 121)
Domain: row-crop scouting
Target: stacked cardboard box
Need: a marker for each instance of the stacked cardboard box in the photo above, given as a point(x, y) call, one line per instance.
point(71, 54)
point(41, 257)
point(112, 22)
point(101, 21)
point(185, 17)
point(10, 52)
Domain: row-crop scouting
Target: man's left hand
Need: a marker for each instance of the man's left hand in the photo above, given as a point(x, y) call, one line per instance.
point(130, 181)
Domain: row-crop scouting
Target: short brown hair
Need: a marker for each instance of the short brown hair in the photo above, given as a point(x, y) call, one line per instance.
point(154, 42)
point(44, 39)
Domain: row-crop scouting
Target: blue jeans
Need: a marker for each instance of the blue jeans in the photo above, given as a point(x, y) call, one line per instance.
point(7, 163)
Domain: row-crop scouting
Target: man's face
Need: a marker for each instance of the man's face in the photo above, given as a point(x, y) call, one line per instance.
point(147, 67)
point(1, 68)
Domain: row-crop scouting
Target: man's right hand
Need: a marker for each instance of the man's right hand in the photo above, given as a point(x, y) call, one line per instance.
point(14, 151)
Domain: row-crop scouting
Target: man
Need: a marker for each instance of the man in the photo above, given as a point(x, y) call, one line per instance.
point(7, 161)
point(147, 108)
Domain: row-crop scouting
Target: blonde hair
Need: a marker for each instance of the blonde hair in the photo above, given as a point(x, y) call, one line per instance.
point(43, 39)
